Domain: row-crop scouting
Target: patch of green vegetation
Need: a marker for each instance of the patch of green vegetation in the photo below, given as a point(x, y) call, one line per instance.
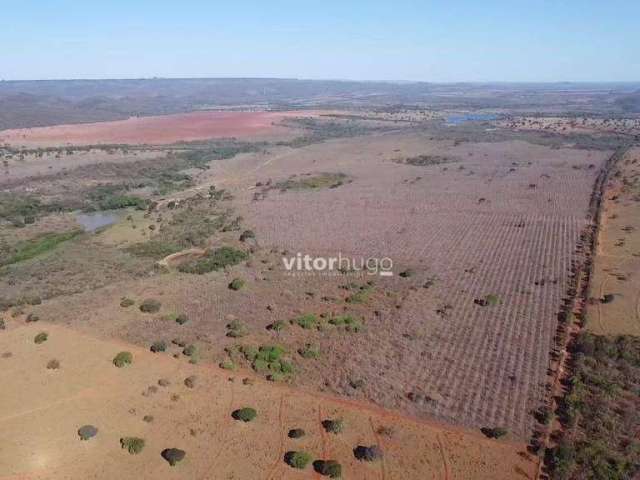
point(236, 284)
point(307, 321)
point(266, 359)
point(112, 197)
point(425, 160)
point(237, 329)
point(126, 302)
point(312, 182)
point(153, 248)
point(361, 295)
point(133, 445)
point(227, 365)
point(20, 209)
point(298, 460)
point(600, 412)
point(309, 351)
point(246, 414)
point(34, 247)
point(41, 337)
point(333, 426)
point(123, 359)
point(278, 326)
point(328, 468)
point(215, 260)
point(349, 323)
point(150, 305)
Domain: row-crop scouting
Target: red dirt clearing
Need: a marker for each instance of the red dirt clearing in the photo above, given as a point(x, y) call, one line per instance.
point(163, 129)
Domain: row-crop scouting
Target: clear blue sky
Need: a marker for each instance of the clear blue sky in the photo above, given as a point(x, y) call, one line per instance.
point(439, 41)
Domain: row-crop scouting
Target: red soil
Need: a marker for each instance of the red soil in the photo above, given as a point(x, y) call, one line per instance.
point(164, 129)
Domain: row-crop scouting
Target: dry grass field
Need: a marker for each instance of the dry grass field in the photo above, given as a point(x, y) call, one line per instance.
point(148, 399)
point(617, 263)
point(483, 230)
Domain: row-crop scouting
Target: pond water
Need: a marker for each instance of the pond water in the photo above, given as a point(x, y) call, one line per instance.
point(459, 118)
point(94, 220)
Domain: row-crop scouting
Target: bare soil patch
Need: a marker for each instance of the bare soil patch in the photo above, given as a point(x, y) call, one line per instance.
point(157, 130)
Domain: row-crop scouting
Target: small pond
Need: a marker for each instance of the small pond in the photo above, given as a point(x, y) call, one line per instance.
point(92, 221)
point(460, 118)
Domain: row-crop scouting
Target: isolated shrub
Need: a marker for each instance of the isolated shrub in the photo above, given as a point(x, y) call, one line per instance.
point(53, 364)
point(227, 365)
point(147, 418)
point(190, 382)
point(333, 426)
point(126, 302)
point(607, 298)
point(237, 329)
point(236, 284)
point(349, 323)
point(296, 433)
point(246, 235)
point(367, 454)
point(182, 319)
point(492, 300)
point(298, 460)
point(277, 326)
point(173, 455)
point(159, 346)
point(133, 445)
point(328, 468)
point(495, 432)
point(309, 351)
point(2, 324)
point(406, 273)
point(307, 321)
point(246, 414)
point(41, 337)
point(276, 377)
point(214, 260)
point(87, 431)
point(190, 350)
point(32, 317)
point(150, 305)
point(123, 359)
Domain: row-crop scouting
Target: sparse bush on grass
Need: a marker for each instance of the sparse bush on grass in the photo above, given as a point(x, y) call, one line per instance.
point(227, 365)
point(312, 182)
point(159, 346)
point(296, 433)
point(495, 432)
point(41, 337)
point(133, 445)
point(28, 249)
point(349, 323)
point(309, 351)
point(154, 248)
point(361, 296)
point(53, 364)
point(237, 329)
point(236, 284)
point(87, 431)
point(126, 302)
point(307, 321)
point(298, 460)
point(173, 455)
point(277, 326)
point(150, 305)
point(333, 426)
point(214, 260)
point(246, 414)
point(123, 359)
point(328, 468)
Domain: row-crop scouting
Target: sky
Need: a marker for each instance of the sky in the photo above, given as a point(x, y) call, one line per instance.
point(433, 41)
